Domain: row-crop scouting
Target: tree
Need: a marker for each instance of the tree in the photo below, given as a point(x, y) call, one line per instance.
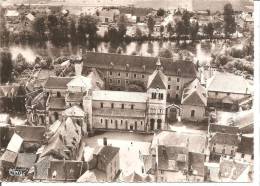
point(229, 20)
point(210, 30)
point(20, 63)
point(179, 29)
point(73, 32)
point(138, 33)
point(122, 26)
point(150, 24)
point(161, 30)
point(112, 34)
point(194, 31)
point(166, 53)
point(39, 28)
point(186, 22)
point(6, 66)
point(160, 12)
point(87, 25)
point(169, 29)
point(4, 33)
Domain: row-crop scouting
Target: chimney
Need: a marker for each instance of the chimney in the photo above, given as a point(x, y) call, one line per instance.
point(105, 141)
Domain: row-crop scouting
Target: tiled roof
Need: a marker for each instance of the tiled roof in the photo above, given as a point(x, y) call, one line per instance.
point(15, 143)
point(57, 82)
point(223, 129)
point(42, 167)
point(169, 156)
point(229, 83)
point(246, 146)
point(9, 156)
point(133, 177)
point(138, 64)
point(120, 96)
point(195, 142)
point(25, 160)
point(107, 153)
point(231, 169)
point(119, 112)
point(157, 80)
point(74, 111)
point(57, 103)
point(75, 96)
point(225, 139)
point(31, 133)
point(194, 94)
point(196, 162)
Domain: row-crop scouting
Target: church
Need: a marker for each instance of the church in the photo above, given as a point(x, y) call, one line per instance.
point(88, 101)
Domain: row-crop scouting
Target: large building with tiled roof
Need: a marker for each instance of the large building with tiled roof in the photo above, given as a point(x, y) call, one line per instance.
point(119, 71)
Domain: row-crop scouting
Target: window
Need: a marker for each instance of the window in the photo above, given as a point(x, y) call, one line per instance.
point(122, 106)
point(132, 107)
point(126, 74)
point(141, 122)
point(178, 79)
point(242, 155)
point(228, 93)
point(118, 81)
point(179, 72)
point(214, 149)
point(126, 82)
point(119, 74)
point(178, 88)
point(169, 86)
point(232, 152)
point(58, 94)
point(110, 73)
point(153, 95)
point(111, 121)
point(112, 105)
point(142, 76)
point(101, 120)
point(252, 156)
point(177, 96)
point(169, 78)
point(160, 95)
point(101, 105)
point(223, 151)
point(121, 122)
point(192, 114)
point(216, 93)
point(110, 80)
point(134, 75)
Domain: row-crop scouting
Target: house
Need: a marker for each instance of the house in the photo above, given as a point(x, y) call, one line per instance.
point(175, 155)
point(106, 165)
point(108, 15)
point(194, 102)
point(223, 144)
point(245, 151)
point(139, 13)
point(223, 92)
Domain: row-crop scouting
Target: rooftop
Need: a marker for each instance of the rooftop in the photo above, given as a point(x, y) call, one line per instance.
point(246, 146)
point(57, 103)
point(139, 64)
point(57, 82)
point(225, 139)
point(224, 82)
point(107, 153)
point(120, 96)
point(157, 80)
point(31, 133)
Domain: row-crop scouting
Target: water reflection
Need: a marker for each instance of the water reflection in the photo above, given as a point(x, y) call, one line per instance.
point(201, 51)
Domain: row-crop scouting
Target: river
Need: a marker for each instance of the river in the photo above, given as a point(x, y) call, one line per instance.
point(200, 51)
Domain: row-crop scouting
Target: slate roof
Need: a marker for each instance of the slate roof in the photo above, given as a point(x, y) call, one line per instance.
point(57, 103)
point(225, 139)
point(107, 153)
point(246, 146)
point(194, 94)
point(157, 80)
point(119, 96)
point(25, 160)
point(229, 83)
point(31, 133)
point(140, 64)
point(57, 82)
